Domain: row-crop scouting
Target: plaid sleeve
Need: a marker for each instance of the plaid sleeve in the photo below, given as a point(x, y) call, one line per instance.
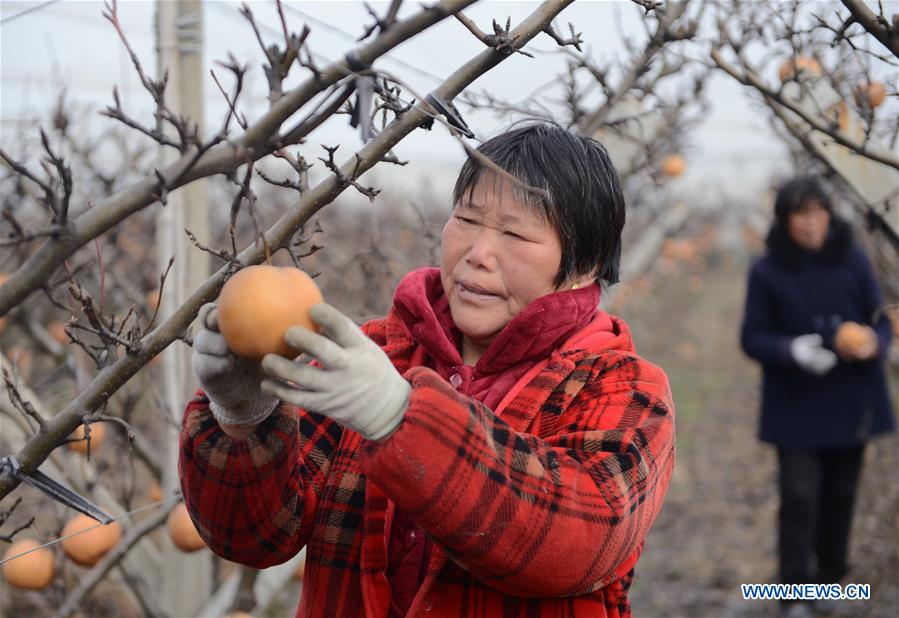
point(536, 516)
point(253, 501)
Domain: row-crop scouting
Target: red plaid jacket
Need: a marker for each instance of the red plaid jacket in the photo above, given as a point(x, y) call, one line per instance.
point(539, 508)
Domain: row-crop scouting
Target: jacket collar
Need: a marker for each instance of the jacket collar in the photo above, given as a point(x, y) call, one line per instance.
point(541, 327)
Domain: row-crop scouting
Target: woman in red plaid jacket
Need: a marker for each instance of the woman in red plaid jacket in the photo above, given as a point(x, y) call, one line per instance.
point(493, 447)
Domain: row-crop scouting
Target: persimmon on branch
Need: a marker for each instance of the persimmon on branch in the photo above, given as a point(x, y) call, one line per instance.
point(257, 138)
point(815, 43)
point(749, 77)
point(260, 139)
point(16, 431)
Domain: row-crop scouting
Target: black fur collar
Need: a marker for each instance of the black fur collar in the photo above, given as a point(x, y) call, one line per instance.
point(784, 251)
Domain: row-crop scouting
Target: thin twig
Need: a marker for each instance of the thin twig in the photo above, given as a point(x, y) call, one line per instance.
point(22, 404)
point(4, 515)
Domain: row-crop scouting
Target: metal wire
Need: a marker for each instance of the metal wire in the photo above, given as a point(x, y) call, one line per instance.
point(97, 525)
point(32, 9)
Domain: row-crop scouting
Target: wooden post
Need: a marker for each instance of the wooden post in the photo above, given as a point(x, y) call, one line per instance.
point(186, 578)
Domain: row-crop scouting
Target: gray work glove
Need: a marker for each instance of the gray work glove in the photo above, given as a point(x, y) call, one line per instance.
point(357, 385)
point(811, 356)
point(231, 383)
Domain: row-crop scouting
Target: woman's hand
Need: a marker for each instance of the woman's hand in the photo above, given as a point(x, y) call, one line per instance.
point(231, 383)
point(357, 385)
point(811, 356)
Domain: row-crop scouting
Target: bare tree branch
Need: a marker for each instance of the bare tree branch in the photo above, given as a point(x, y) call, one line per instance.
point(867, 210)
point(381, 24)
point(111, 378)
point(501, 39)
point(574, 40)
point(259, 140)
point(22, 404)
point(881, 29)
point(749, 78)
point(648, 5)
point(5, 515)
point(668, 28)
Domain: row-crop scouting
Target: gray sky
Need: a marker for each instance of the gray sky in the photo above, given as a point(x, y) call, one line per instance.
point(69, 43)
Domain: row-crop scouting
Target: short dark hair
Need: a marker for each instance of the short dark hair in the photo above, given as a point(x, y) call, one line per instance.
point(797, 194)
point(583, 199)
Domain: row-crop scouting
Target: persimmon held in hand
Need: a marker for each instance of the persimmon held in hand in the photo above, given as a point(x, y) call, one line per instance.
point(259, 304)
point(855, 340)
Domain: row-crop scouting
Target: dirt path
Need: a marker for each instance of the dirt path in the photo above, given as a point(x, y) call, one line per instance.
point(718, 526)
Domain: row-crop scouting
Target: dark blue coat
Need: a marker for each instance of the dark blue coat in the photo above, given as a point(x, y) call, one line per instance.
point(794, 292)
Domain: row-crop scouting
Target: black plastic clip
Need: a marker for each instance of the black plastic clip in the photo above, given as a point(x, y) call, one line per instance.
point(9, 465)
point(366, 86)
point(452, 114)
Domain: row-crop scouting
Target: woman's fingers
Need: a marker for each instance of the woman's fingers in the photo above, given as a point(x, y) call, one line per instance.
point(209, 366)
point(206, 320)
point(306, 377)
point(276, 389)
point(326, 351)
point(210, 342)
point(302, 399)
point(212, 319)
point(335, 325)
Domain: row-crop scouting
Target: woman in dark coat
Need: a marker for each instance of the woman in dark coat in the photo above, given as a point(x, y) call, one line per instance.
point(821, 400)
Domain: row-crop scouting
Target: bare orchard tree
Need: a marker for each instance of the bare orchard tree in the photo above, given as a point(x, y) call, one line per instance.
point(121, 347)
point(834, 93)
point(826, 73)
point(619, 100)
point(76, 244)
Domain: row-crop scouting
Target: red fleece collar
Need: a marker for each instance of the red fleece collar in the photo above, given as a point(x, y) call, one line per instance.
point(539, 329)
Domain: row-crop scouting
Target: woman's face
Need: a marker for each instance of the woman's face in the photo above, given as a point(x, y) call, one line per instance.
point(808, 226)
point(496, 257)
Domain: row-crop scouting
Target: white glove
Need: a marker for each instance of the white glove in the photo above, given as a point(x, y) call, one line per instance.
point(811, 356)
point(231, 383)
point(357, 385)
